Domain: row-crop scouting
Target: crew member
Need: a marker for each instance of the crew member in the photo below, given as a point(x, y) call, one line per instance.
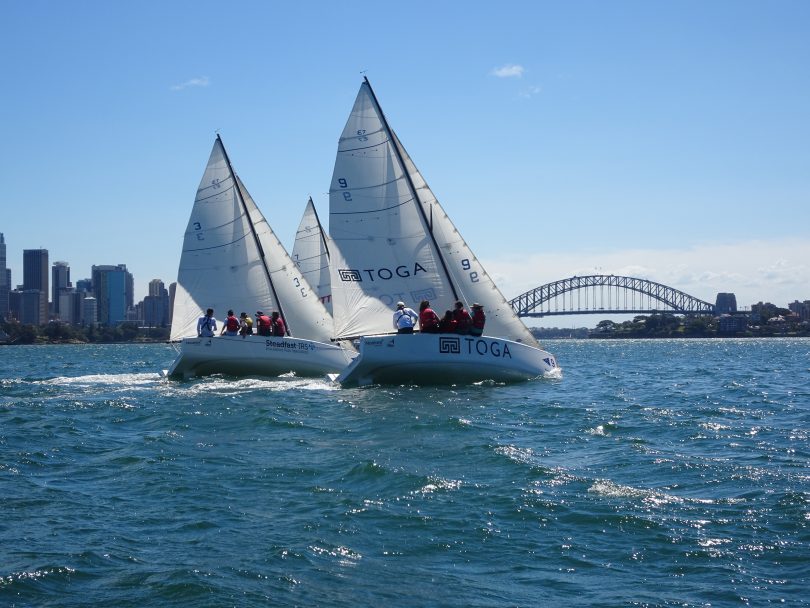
point(207, 324)
point(278, 325)
point(462, 318)
point(428, 319)
point(404, 319)
point(478, 320)
point(231, 325)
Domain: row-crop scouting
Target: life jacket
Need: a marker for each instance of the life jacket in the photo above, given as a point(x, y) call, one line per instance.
point(264, 326)
point(463, 321)
point(232, 324)
point(428, 321)
point(478, 320)
point(278, 327)
point(447, 326)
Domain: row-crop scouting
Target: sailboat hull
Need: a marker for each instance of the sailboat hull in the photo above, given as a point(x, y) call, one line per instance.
point(444, 359)
point(257, 356)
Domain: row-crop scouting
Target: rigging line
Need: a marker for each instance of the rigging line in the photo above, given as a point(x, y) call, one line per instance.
point(255, 238)
point(320, 228)
point(411, 185)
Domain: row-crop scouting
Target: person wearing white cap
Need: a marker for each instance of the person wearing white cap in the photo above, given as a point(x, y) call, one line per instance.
point(404, 319)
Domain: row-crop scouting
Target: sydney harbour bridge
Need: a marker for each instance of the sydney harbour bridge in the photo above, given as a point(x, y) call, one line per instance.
point(607, 294)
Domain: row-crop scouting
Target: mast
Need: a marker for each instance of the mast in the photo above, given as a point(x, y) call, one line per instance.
point(320, 227)
point(255, 235)
point(428, 223)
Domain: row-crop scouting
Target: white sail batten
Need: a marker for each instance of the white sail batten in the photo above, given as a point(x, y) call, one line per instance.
point(221, 265)
point(392, 239)
point(311, 254)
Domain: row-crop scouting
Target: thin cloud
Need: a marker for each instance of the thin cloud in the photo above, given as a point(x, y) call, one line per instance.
point(509, 71)
point(530, 92)
point(194, 82)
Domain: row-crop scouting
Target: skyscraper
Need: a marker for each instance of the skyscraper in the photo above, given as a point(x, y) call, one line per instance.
point(60, 279)
point(113, 287)
point(35, 276)
point(5, 280)
point(156, 305)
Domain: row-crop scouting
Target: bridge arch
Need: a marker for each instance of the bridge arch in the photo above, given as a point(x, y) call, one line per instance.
point(606, 294)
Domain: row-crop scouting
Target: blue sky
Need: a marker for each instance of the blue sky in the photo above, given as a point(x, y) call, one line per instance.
point(669, 140)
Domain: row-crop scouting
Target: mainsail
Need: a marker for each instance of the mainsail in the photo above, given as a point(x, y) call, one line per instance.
point(311, 254)
point(394, 240)
point(231, 259)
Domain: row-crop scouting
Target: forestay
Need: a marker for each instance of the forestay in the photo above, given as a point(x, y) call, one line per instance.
point(394, 240)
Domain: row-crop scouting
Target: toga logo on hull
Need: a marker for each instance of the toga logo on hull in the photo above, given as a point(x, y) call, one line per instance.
point(467, 345)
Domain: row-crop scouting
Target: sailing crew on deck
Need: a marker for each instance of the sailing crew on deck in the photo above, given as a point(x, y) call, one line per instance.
point(428, 319)
point(207, 324)
point(478, 320)
point(404, 319)
point(278, 325)
point(462, 318)
point(231, 325)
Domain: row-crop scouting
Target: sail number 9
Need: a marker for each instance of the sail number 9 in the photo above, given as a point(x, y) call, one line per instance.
point(347, 196)
point(465, 265)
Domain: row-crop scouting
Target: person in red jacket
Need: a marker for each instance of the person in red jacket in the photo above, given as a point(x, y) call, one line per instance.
point(278, 325)
point(428, 320)
point(478, 320)
point(263, 324)
point(448, 323)
point(462, 318)
point(231, 326)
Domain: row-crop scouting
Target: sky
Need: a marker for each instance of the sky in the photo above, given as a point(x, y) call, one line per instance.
point(664, 140)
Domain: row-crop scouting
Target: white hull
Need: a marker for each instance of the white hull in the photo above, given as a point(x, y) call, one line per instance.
point(444, 359)
point(257, 356)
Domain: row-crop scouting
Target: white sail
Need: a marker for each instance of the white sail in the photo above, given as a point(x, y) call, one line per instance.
point(311, 254)
point(393, 240)
point(231, 259)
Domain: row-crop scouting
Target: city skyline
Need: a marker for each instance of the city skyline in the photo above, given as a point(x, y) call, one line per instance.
point(663, 141)
point(155, 285)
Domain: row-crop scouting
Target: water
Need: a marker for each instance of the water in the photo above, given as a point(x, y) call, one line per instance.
point(655, 473)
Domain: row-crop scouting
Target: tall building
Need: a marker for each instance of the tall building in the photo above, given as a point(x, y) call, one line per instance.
point(726, 303)
point(35, 276)
point(5, 279)
point(60, 279)
point(113, 287)
point(156, 305)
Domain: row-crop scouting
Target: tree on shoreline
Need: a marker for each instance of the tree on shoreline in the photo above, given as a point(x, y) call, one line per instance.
point(62, 333)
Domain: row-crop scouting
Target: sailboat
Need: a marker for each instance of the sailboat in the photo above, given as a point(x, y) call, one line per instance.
point(392, 241)
point(311, 254)
point(231, 259)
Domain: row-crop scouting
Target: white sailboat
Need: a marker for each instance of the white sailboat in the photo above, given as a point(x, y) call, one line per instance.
point(392, 241)
point(231, 259)
point(311, 254)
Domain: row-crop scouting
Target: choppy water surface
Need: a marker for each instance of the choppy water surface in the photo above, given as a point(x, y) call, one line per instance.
point(654, 473)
